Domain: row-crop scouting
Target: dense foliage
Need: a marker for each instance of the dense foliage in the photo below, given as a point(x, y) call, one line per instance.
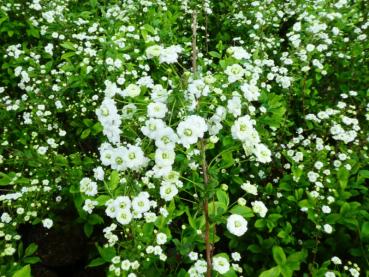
point(187, 138)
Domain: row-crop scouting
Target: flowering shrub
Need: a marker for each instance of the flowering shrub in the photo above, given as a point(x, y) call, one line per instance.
point(187, 138)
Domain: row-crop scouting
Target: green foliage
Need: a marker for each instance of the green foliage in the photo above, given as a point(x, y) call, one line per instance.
point(296, 73)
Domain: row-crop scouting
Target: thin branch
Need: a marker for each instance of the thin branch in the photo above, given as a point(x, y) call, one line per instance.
point(194, 48)
point(208, 246)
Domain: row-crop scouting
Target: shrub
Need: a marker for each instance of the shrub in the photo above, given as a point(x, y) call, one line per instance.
point(187, 138)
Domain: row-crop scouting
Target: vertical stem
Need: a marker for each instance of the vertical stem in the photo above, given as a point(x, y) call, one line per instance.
point(194, 35)
point(206, 31)
point(208, 246)
point(204, 162)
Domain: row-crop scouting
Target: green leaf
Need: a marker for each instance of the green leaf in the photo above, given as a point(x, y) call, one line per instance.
point(32, 248)
point(191, 220)
point(4, 179)
point(297, 256)
point(97, 128)
point(242, 210)
point(23, 272)
point(343, 176)
point(20, 249)
point(88, 229)
point(227, 159)
point(107, 253)
point(361, 176)
point(93, 3)
point(217, 208)
point(278, 255)
point(94, 219)
point(32, 260)
point(88, 122)
point(222, 197)
point(67, 55)
point(96, 262)
point(149, 28)
point(364, 232)
point(101, 200)
point(273, 272)
point(68, 45)
point(260, 223)
point(85, 133)
point(114, 180)
point(215, 54)
point(254, 248)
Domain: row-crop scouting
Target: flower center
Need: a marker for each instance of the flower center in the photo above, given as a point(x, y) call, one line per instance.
point(119, 160)
point(105, 111)
point(188, 132)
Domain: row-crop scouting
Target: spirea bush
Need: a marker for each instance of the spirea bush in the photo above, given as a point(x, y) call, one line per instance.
point(187, 138)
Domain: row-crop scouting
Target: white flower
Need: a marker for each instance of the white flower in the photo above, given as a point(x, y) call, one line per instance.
point(336, 260)
point(106, 154)
point(141, 203)
point(238, 53)
point(252, 189)
point(159, 94)
point(152, 126)
point(111, 209)
point(107, 112)
point(117, 158)
point(259, 208)
point(164, 157)
point(198, 88)
point(193, 256)
point(326, 209)
point(161, 171)
point(88, 187)
point(134, 157)
point(327, 228)
point(235, 72)
point(165, 138)
point(124, 216)
point(6, 218)
point(234, 105)
point(111, 89)
point(200, 266)
point(236, 256)
point(262, 153)
point(99, 173)
point(89, 205)
point(221, 265)
point(125, 265)
point(170, 54)
point(236, 225)
point(49, 48)
point(150, 217)
point(132, 90)
point(47, 223)
point(157, 110)
point(242, 128)
point(354, 272)
point(250, 92)
point(108, 115)
point(329, 274)
point(153, 51)
point(168, 191)
point(161, 238)
point(128, 111)
point(191, 129)
point(122, 202)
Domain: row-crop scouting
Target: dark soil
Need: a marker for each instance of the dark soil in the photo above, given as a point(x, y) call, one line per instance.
point(63, 250)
